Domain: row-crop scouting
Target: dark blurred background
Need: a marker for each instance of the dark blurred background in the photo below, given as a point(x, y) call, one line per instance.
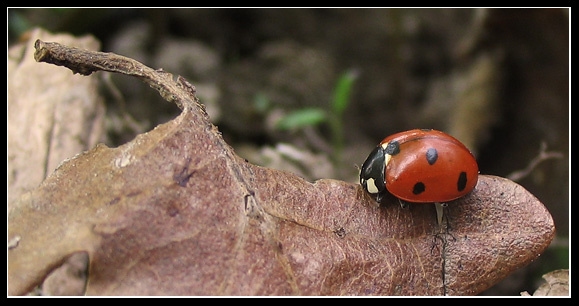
point(313, 90)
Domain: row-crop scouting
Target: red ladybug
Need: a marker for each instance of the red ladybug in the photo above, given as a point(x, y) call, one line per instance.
point(420, 166)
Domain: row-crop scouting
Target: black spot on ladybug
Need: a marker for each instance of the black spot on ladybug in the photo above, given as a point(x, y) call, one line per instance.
point(431, 155)
point(419, 188)
point(461, 183)
point(393, 148)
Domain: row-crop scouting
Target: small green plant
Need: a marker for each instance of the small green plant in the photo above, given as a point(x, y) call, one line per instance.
point(301, 118)
point(340, 101)
point(333, 115)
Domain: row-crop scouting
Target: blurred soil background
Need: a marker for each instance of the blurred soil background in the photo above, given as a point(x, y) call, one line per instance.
point(312, 91)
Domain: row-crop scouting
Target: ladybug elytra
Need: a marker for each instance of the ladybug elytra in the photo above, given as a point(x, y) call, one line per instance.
point(420, 166)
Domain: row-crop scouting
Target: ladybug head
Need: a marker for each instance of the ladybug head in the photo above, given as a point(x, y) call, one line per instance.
point(372, 172)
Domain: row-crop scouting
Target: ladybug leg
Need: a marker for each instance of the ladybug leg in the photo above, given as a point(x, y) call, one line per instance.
point(380, 196)
point(403, 204)
point(440, 211)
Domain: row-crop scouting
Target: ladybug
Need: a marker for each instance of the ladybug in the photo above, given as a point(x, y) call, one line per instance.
point(420, 166)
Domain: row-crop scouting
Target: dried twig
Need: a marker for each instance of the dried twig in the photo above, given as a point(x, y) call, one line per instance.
point(86, 62)
point(542, 156)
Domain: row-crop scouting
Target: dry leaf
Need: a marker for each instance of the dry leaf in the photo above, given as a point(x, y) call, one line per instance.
point(177, 212)
point(556, 284)
point(52, 114)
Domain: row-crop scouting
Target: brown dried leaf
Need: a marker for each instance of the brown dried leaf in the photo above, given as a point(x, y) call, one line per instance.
point(52, 114)
point(176, 212)
point(556, 284)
